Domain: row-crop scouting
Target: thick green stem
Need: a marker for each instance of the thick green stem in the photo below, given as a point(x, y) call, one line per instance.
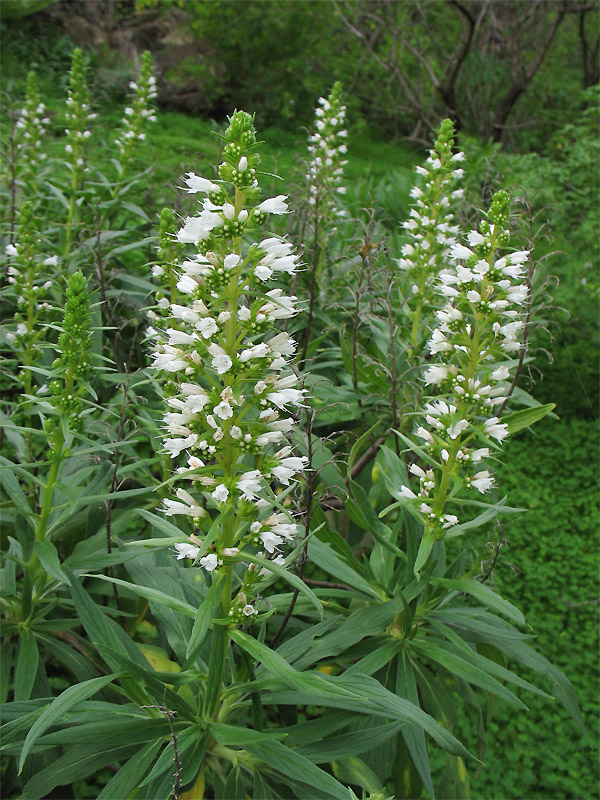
point(48, 494)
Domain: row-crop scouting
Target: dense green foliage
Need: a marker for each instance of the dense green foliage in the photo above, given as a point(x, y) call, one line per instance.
point(355, 351)
point(279, 55)
point(549, 566)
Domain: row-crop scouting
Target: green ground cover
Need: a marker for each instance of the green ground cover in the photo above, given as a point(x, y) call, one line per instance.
point(550, 568)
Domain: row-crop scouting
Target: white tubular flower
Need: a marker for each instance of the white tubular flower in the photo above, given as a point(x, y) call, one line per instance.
point(209, 562)
point(229, 384)
point(478, 328)
point(176, 446)
point(195, 184)
point(221, 361)
point(249, 484)
point(288, 467)
point(270, 540)
point(274, 205)
point(436, 374)
point(185, 550)
point(137, 115)
point(221, 493)
point(430, 235)
point(495, 429)
point(406, 492)
point(482, 481)
point(326, 150)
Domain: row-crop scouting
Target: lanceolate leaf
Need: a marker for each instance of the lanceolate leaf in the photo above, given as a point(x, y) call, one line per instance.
point(464, 669)
point(130, 774)
point(291, 764)
point(77, 763)
point(150, 594)
point(322, 553)
point(204, 615)
point(528, 416)
point(484, 594)
point(27, 665)
point(358, 693)
point(59, 706)
point(48, 556)
point(288, 576)
point(413, 736)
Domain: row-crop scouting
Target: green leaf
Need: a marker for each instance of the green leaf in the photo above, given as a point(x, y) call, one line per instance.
point(464, 669)
point(290, 764)
point(204, 615)
point(370, 520)
point(350, 743)
point(150, 594)
point(58, 194)
point(281, 572)
point(14, 491)
point(77, 763)
point(489, 665)
point(357, 692)
point(413, 735)
point(162, 524)
point(106, 635)
point(48, 556)
point(323, 555)
point(484, 594)
point(27, 665)
point(425, 549)
point(238, 736)
point(130, 774)
point(354, 770)
point(559, 683)
point(76, 663)
point(393, 470)
point(116, 729)
point(164, 763)
point(359, 445)
point(527, 416)
point(377, 659)
point(364, 622)
point(59, 706)
point(135, 210)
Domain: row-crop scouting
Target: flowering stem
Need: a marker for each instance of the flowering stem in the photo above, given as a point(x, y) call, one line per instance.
point(48, 494)
point(70, 215)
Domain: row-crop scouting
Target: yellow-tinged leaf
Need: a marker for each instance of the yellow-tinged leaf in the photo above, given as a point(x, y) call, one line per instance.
point(158, 659)
point(197, 790)
point(160, 662)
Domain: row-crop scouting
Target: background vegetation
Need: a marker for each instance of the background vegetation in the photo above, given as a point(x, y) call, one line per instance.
point(277, 57)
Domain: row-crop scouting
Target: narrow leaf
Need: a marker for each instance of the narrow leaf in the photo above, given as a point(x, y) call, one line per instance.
point(27, 665)
point(48, 556)
point(288, 576)
point(484, 594)
point(150, 594)
point(528, 416)
point(204, 615)
point(59, 706)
